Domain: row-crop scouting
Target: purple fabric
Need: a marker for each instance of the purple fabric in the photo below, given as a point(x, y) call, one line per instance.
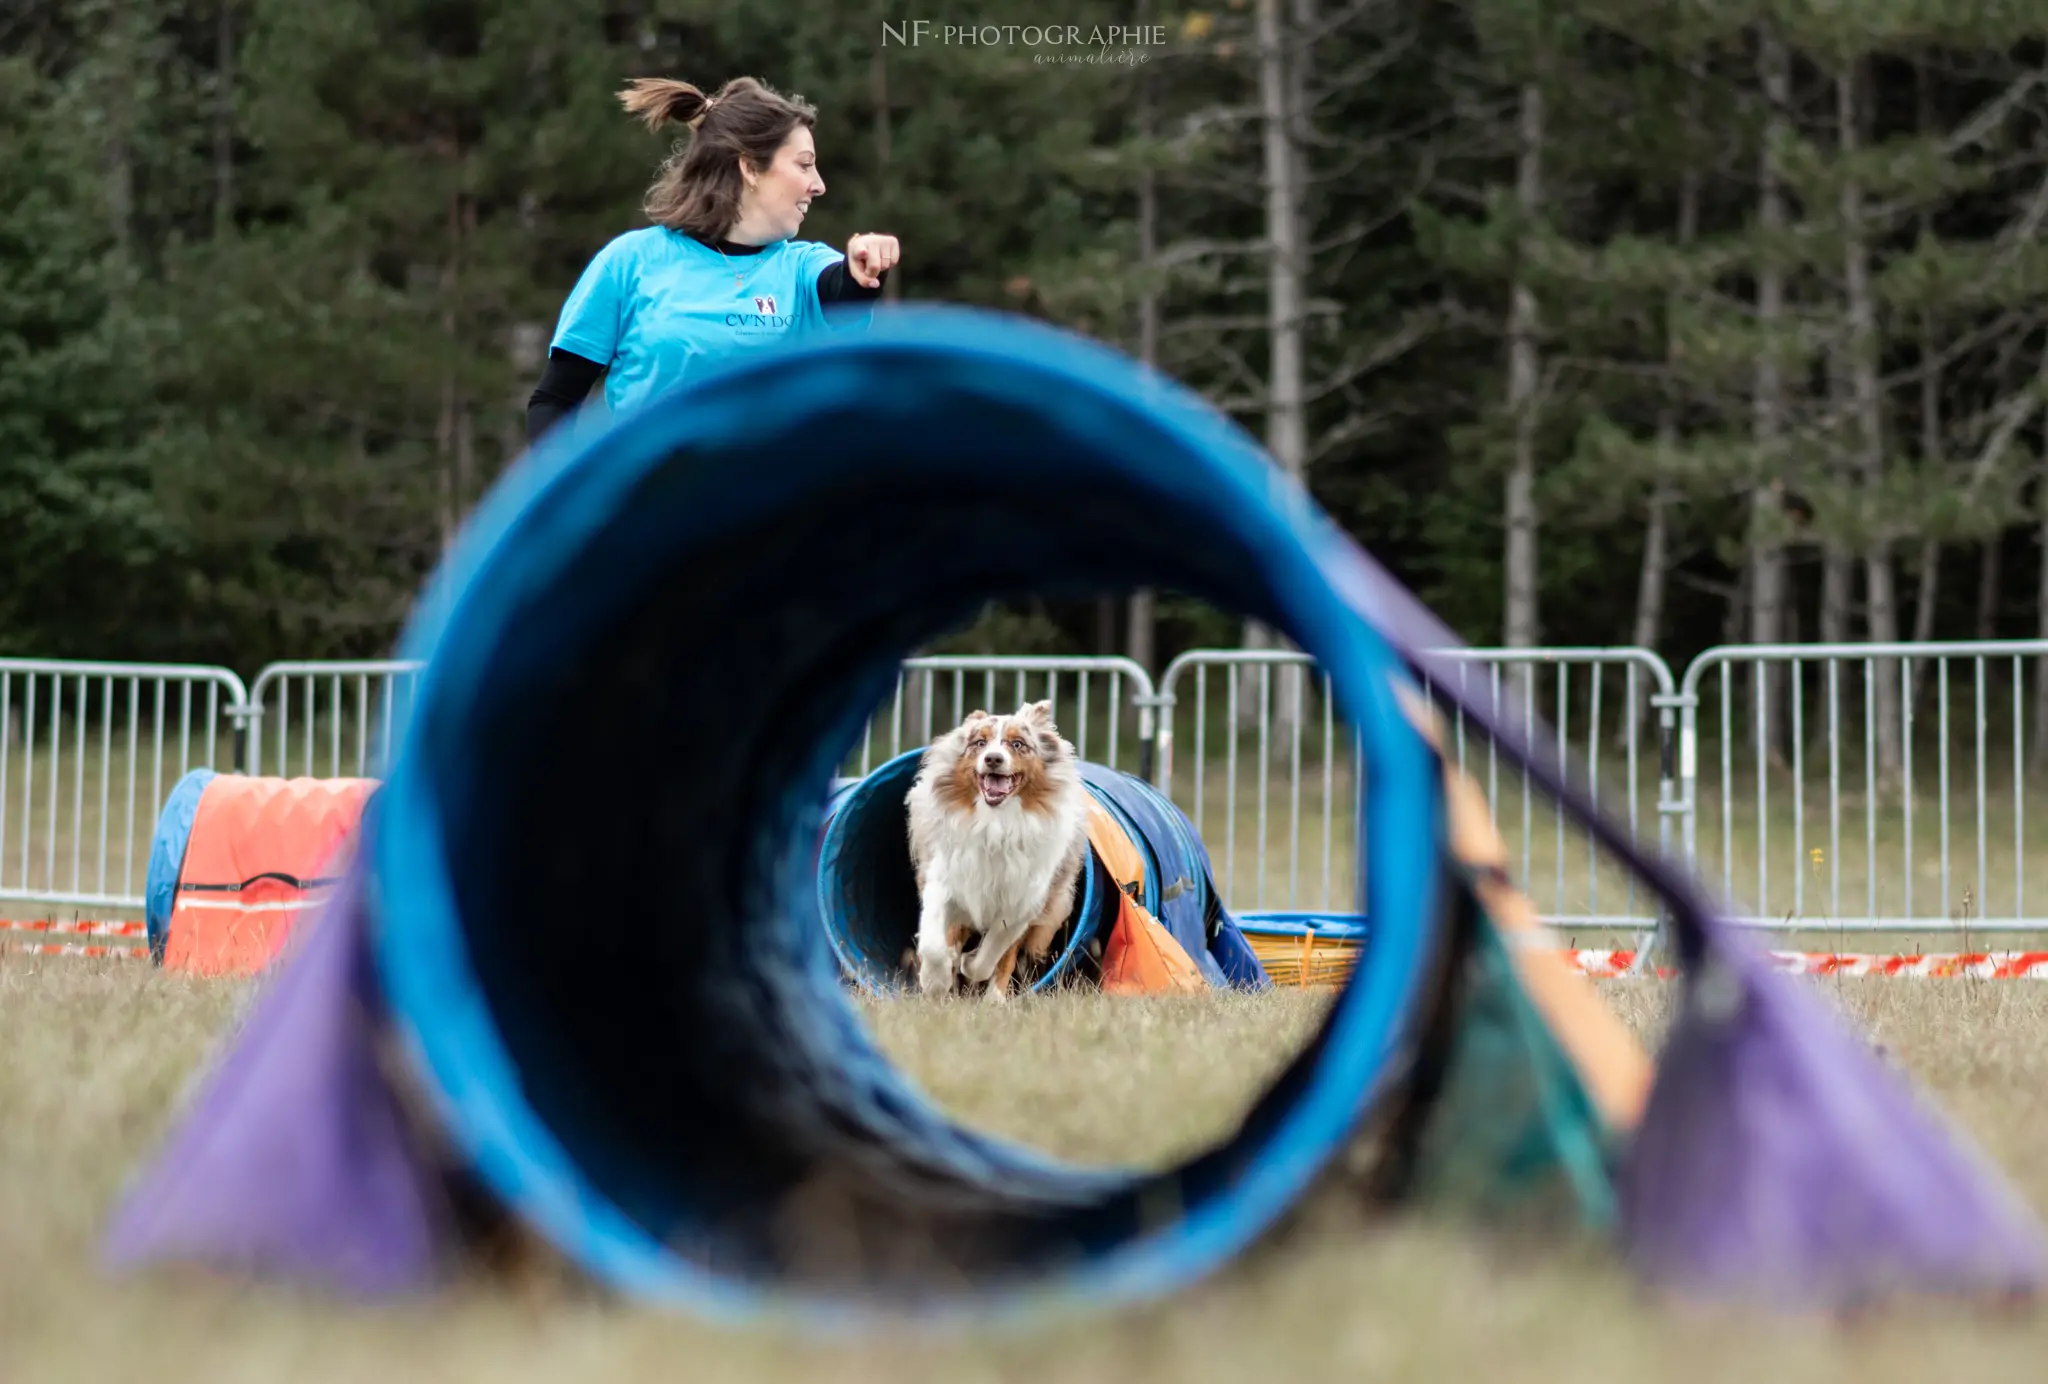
point(1779, 1158)
point(293, 1158)
point(1781, 1161)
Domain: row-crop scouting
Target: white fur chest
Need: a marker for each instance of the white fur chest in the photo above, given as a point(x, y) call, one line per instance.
point(995, 865)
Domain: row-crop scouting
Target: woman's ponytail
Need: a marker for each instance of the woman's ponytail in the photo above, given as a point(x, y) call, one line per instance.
point(660, 100)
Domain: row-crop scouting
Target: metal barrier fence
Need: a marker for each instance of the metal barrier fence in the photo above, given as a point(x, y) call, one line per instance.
point(1618, 705)
point(1247, 743)
point(88, 753)
point(348, 714)
point(1880, 778)
point(336, 719)
point(1095, 701)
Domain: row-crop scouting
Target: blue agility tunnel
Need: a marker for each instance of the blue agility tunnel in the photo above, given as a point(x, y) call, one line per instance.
point(167, 856)
point(644, 658)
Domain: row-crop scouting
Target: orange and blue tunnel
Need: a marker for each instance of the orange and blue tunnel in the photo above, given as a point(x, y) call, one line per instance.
point(643, 660)
point(1147, 916)
point(237, 859)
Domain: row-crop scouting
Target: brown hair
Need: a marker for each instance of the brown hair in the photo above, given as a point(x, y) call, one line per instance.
point(698, 188)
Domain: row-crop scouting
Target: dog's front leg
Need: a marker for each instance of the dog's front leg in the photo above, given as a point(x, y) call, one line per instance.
point(937, 959)
point(1006, 970)
point(981, 963)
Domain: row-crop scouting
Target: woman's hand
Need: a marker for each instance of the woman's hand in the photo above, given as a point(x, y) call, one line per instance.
point(869, 256)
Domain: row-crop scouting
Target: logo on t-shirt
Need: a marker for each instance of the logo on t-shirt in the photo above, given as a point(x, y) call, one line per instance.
point(764, 319)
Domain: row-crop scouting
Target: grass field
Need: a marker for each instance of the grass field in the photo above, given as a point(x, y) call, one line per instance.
point(94, 1055)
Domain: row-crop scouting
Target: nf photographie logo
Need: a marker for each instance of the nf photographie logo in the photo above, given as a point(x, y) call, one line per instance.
point(1055, 43)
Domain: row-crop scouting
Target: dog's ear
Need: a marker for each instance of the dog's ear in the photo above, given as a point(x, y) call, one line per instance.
point(1038, 713)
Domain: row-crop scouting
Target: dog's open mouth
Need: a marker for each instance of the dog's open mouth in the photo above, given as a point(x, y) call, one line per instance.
point(996, 788)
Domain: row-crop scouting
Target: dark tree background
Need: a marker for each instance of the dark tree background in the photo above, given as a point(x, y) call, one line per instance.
point(1647, 322)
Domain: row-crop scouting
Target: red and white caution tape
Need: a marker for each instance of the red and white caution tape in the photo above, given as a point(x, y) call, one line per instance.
point(2010, 965)
point(75, 928)
point(1291, 962)
point(1587, 961)
point(80, 927)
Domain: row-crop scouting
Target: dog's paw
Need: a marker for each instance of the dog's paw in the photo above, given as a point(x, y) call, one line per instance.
point(981, 963)
point(936, 970)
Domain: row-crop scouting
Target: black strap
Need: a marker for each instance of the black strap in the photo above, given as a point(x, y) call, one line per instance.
point(293, 880)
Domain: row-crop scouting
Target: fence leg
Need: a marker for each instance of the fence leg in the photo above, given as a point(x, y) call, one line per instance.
point(1155, 736)
point(248, 718)
point(1671, 708)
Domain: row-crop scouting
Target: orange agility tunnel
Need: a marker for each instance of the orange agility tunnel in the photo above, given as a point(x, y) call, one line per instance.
point(238, 859)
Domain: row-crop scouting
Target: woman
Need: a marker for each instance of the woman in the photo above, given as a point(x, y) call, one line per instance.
point(719, 271)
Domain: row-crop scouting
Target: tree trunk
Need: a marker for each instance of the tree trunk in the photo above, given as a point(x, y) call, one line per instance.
point(1654, 574)
point(444, 448)
point(1650, 580)
point(224, 116)
point(1736, 618)
point(526, 348)
point(1649, 621)
point(2040, 755)
point(1837, 589)
point(878, 78)
point(1142, 617)
point(1992, 547)
point(467, 479)
point(465, 455)
point(1521, 627)
point(125, 80)
point(1141, 641)
point(448, 435)
point(1286, 422)
point(1837, 564)
point(1931, 446)
point(1868, 397)
point(1766, 550)
point(1991, 557)
point(1926, 589)
point(1105, 625)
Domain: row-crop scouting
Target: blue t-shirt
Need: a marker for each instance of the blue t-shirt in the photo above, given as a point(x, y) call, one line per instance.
point(654, 303)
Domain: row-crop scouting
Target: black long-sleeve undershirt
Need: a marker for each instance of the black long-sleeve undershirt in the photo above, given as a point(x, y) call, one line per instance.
point(569, 378)
point(563, 386)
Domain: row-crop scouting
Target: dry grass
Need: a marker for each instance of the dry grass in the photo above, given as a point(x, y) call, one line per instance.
point(93, 1057)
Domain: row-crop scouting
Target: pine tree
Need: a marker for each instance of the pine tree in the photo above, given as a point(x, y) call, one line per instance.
point(88, 566)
